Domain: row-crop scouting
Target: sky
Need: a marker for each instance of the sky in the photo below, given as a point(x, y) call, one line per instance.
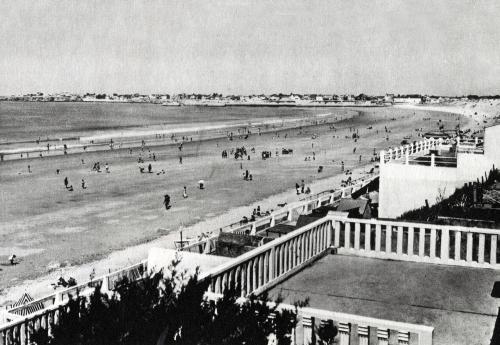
point(448, 47)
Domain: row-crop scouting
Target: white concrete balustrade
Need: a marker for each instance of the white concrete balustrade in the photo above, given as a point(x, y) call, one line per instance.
point(18, 330)
point(267, 265)
point(352, 329)
point(442, 244)
point(403, 152)
point(286, 215)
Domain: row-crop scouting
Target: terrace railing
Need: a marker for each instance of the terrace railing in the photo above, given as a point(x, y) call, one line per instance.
point(20, 327)
point(267, 265)
point(403, 152)
point(284, 215)
point(418, 242)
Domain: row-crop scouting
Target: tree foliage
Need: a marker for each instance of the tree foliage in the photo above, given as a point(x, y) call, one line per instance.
point(168, 309)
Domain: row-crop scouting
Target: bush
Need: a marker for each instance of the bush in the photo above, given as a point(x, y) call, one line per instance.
point(168, 309)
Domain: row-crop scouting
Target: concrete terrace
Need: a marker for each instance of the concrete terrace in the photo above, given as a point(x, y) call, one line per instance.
point(454, 300)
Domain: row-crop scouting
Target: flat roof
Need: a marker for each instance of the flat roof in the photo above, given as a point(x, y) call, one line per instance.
point(454, 300)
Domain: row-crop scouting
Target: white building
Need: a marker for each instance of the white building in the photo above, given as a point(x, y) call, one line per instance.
point(408, 179)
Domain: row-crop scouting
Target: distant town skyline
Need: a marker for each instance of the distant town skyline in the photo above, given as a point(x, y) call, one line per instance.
point(251, 47)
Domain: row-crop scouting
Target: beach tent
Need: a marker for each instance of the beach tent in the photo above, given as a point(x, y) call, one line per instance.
point(27, 307)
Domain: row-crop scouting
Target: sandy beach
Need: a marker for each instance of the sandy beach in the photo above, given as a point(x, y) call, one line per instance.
point(119, 215)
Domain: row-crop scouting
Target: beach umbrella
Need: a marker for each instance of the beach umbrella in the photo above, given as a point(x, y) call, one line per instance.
point(25, 306)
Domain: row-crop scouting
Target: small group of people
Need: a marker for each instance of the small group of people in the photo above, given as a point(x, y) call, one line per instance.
point(97, 167)
point(166, 198)
point(302, 189)
point(247, 176)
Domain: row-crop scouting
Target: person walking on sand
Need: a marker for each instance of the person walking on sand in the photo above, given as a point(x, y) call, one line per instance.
point(166, 201)
point(29, 168)
point(302, 187)
point(297, 188)
point(66, 182)
point(184, 193)
point(150, 168)
point(83, 184)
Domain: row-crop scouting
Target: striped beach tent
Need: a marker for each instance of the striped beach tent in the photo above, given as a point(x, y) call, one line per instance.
point(24, 306)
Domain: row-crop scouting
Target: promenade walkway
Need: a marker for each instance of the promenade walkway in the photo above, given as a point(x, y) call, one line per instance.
point(454, 300)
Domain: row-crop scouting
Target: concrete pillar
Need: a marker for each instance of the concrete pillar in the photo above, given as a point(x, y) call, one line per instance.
point(411, 234)
point(382, 157)
point(493, 250)
point(254, 229)
point(390, 154)
point(432, 253)
point(372, 336)
point(354, 335)
point(476, 140)
point(399, 246)
point(368, 231)
point(290, 215)
point(480, 250)
point(273, 221)
point(347, 235)
point(308, 331)
point(445, 244)
point(337, 234)
point(249, 277)
point(433, 160)
point(388, 239)
point(457, 245)
point(255, 274)
point(271, 262)
point(329, 235)
point(407, 157)
point(421, 242)
point(469, 247)
point(378, 237)
point(393, 337)
point(243, 280)
point(356, 235)
point(261, 270)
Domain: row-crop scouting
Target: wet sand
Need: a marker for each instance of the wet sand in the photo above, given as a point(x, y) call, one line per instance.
point(55, 231)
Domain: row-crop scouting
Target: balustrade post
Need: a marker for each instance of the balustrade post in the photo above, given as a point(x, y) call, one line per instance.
point(289, 216)
point(329, 230)
point(378, 237)
point(411, 234)
point(457, 245)
point(480, 250)
point(273, 221)
point(399, 245)
point(368, 230)
point(388, 239)
point(445, 244)
point(421, 242)
point(308, 329)
point(249, 277)
point(272, 262)
point(432, 253)
point(253, 231)
point(347, 235)
point(354, 334)
point(493, 250)
point(337, 233)
point(261, 270)
point(469, 247)
point(243, 280)
point(356, 235)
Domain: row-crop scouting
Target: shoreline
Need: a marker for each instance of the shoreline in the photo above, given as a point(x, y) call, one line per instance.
point(130, 254)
